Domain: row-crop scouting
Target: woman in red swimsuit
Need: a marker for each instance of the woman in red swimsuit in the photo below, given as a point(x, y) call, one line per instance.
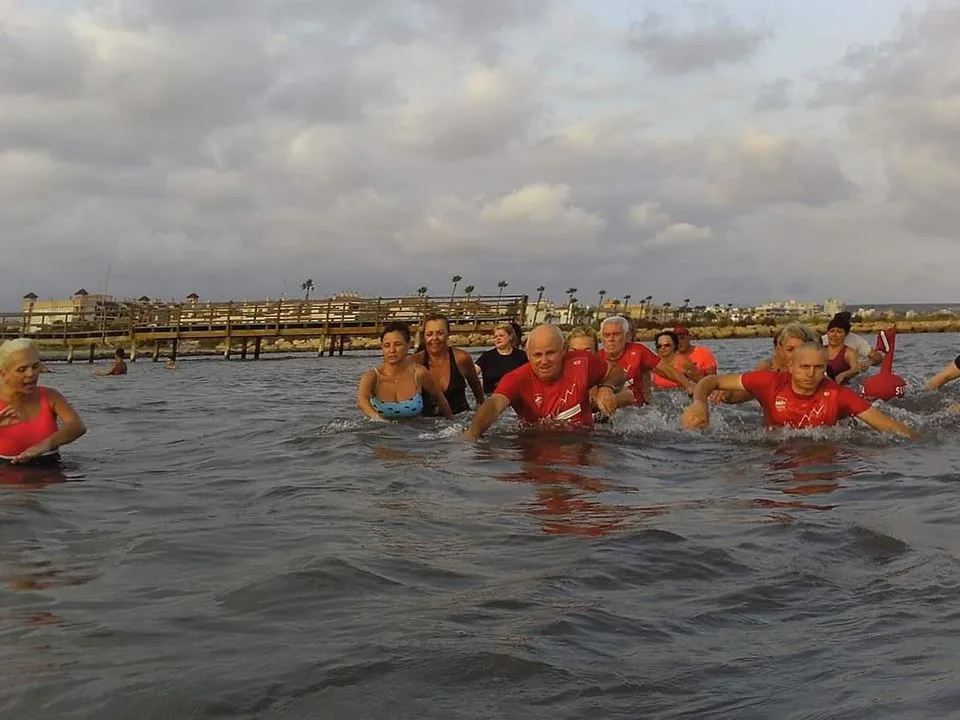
point(34, 421)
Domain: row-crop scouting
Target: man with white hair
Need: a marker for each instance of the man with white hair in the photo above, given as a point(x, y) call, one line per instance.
point(554, 385)
point(635, 359)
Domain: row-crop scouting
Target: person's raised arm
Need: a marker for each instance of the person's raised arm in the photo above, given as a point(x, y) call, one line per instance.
point(671, 373)
point(486, 415)
point(71, 428)
point(697, 414)
point(469, 372)
point(850, 355)
point(430, 385)
point(884, 423)
point(949, 373)
point(365, 392)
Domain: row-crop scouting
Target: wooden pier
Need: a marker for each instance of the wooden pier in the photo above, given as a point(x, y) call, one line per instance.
point(136, 325)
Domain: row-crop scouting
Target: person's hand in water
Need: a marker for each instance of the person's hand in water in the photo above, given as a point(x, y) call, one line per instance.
point(32, 453)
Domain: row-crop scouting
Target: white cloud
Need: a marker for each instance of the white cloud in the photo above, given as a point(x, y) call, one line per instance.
point(681, 233)
point(373, 144)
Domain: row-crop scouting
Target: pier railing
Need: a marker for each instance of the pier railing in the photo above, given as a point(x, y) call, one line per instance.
point(339, 315)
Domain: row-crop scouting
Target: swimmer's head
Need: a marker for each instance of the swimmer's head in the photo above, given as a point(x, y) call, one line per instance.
point(808, 366)
point(119, 354)
point(436, 330)
point(545, 352)
point(792, 336)
point(395, 341)
point(838, 329)
point(615, 334)
point(582, 338)
point(666, 342)
point(504, 336)
point(20, 364)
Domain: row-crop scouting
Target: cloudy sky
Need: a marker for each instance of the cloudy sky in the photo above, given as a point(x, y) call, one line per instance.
point(730, 151)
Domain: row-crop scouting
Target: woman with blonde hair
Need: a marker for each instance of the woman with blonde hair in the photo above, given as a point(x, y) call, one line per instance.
point(582, 338)
point(35, 421)
point(505, 356)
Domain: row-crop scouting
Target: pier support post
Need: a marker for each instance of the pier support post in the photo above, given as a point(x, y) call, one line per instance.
point(93, 352)
point(133, 350)
point(156, 351)
point(333, 345)
point(243, 349)
point(256, 348)
point(173, 350)
point(343, 341)
point(226, 350)
point(69, 354)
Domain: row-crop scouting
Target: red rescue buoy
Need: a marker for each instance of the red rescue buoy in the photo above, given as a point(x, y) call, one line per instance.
point(885, 385)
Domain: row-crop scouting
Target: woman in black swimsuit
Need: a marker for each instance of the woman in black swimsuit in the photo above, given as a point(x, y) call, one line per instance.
point(451, 368)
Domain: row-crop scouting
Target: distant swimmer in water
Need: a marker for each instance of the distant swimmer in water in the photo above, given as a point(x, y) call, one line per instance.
point(505, 356)
point(554, 386)
point(635, 359)
point(119, 365)
point(886, 384)
point(700, 355)
point(866, 356)
point(34, 421)
point(668, 344)
point(585, 339)
point(801, 397)
point(452, 368)
point(170, 364)
point(395, 389)
point(842, 362)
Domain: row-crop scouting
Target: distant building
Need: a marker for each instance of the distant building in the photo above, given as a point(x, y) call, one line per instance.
point(80, 307)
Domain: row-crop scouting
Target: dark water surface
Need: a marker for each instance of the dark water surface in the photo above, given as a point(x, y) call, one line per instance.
point(233, 541)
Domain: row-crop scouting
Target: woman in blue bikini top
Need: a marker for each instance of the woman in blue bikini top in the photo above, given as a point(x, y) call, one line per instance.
point(395, 389)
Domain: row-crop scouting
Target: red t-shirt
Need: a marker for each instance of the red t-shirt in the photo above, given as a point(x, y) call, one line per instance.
point(783, 407)
point(565, 399)
point(635, 360)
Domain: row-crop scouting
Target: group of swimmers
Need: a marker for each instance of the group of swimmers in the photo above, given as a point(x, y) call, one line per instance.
point(574, 379)
point(580, 378)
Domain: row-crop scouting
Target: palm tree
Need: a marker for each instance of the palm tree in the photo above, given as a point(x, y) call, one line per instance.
point(422, 290)
point(307, 286)
point(468, 291)
point(455, 280)
point(600, 295)
point(666, 310)
point(626, 304)
point(686, 307)
point(649, 303)
point(536, 308)
point(502, 284)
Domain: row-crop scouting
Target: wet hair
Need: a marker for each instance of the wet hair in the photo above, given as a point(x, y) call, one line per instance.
point(667, 333)
point(120, 353)
point(10, 348)
point(620, 321)
point(433, 317)
point(798, 331)
point(840, 321)
point(396, 327)
point(582, 332)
